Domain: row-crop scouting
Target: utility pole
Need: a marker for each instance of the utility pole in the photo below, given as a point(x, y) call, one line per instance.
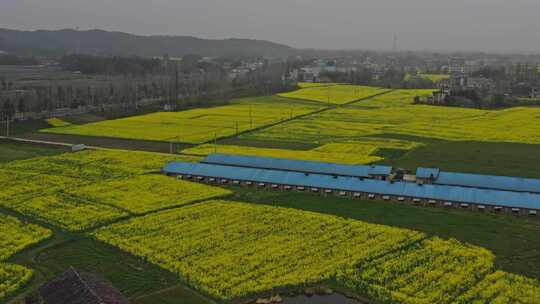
point(215, 142)
point(328, 95)
point(250, 118)
point(175, 83)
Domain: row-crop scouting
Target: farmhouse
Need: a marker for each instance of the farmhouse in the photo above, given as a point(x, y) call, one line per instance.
point(328, 182)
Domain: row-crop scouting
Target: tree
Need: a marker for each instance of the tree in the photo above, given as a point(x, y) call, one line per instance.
point(21, 106)
point(8, 109)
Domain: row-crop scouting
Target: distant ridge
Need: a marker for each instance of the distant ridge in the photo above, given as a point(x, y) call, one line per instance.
point(100, 42)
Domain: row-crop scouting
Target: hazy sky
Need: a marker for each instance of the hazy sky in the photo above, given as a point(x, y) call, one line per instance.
point(478, 25)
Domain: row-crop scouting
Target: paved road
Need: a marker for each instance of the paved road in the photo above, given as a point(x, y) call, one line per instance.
point(43, 142)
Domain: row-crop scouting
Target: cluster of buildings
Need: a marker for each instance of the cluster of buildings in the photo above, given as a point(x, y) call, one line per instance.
point(316, 71)
point(516, 79)
point(429, 187)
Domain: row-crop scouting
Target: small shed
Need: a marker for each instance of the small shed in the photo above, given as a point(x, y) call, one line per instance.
point(427, 175)
point(78, 148)
point(77, 287)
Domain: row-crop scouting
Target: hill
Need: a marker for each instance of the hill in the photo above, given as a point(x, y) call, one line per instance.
point(99, 42)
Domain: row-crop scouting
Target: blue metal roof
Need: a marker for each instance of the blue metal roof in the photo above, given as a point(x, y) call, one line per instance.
point(426, 173)
point(437, 192)
point(297, 165)
point(489, 182)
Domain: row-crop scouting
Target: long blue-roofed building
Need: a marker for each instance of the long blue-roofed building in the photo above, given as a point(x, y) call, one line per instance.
point(357, 185)
point(506, 183)
point(303, 166)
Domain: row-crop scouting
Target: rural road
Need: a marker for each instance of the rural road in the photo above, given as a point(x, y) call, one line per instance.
point(43, 142)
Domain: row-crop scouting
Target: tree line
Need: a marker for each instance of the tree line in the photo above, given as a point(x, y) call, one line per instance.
point(131, 81)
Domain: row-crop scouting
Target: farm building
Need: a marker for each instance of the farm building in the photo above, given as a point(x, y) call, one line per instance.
point(447, 195)
point(77, 287)
point(516, 184)
point(302, 166)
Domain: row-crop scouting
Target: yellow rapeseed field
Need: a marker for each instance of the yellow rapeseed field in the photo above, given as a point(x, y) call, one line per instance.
point(348, 152)
point(333, 94)
point(395, 113)
point(197, 125)
point(12, 278)
point(57, 122)
point(14, 237)
point(231, 249)
point(78, 191)
point(432, 271)
point(502, 288)
point(147, 193)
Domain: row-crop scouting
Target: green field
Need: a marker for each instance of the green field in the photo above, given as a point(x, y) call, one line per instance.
point(11, 151)
point(497, 158)
point(197, 125)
